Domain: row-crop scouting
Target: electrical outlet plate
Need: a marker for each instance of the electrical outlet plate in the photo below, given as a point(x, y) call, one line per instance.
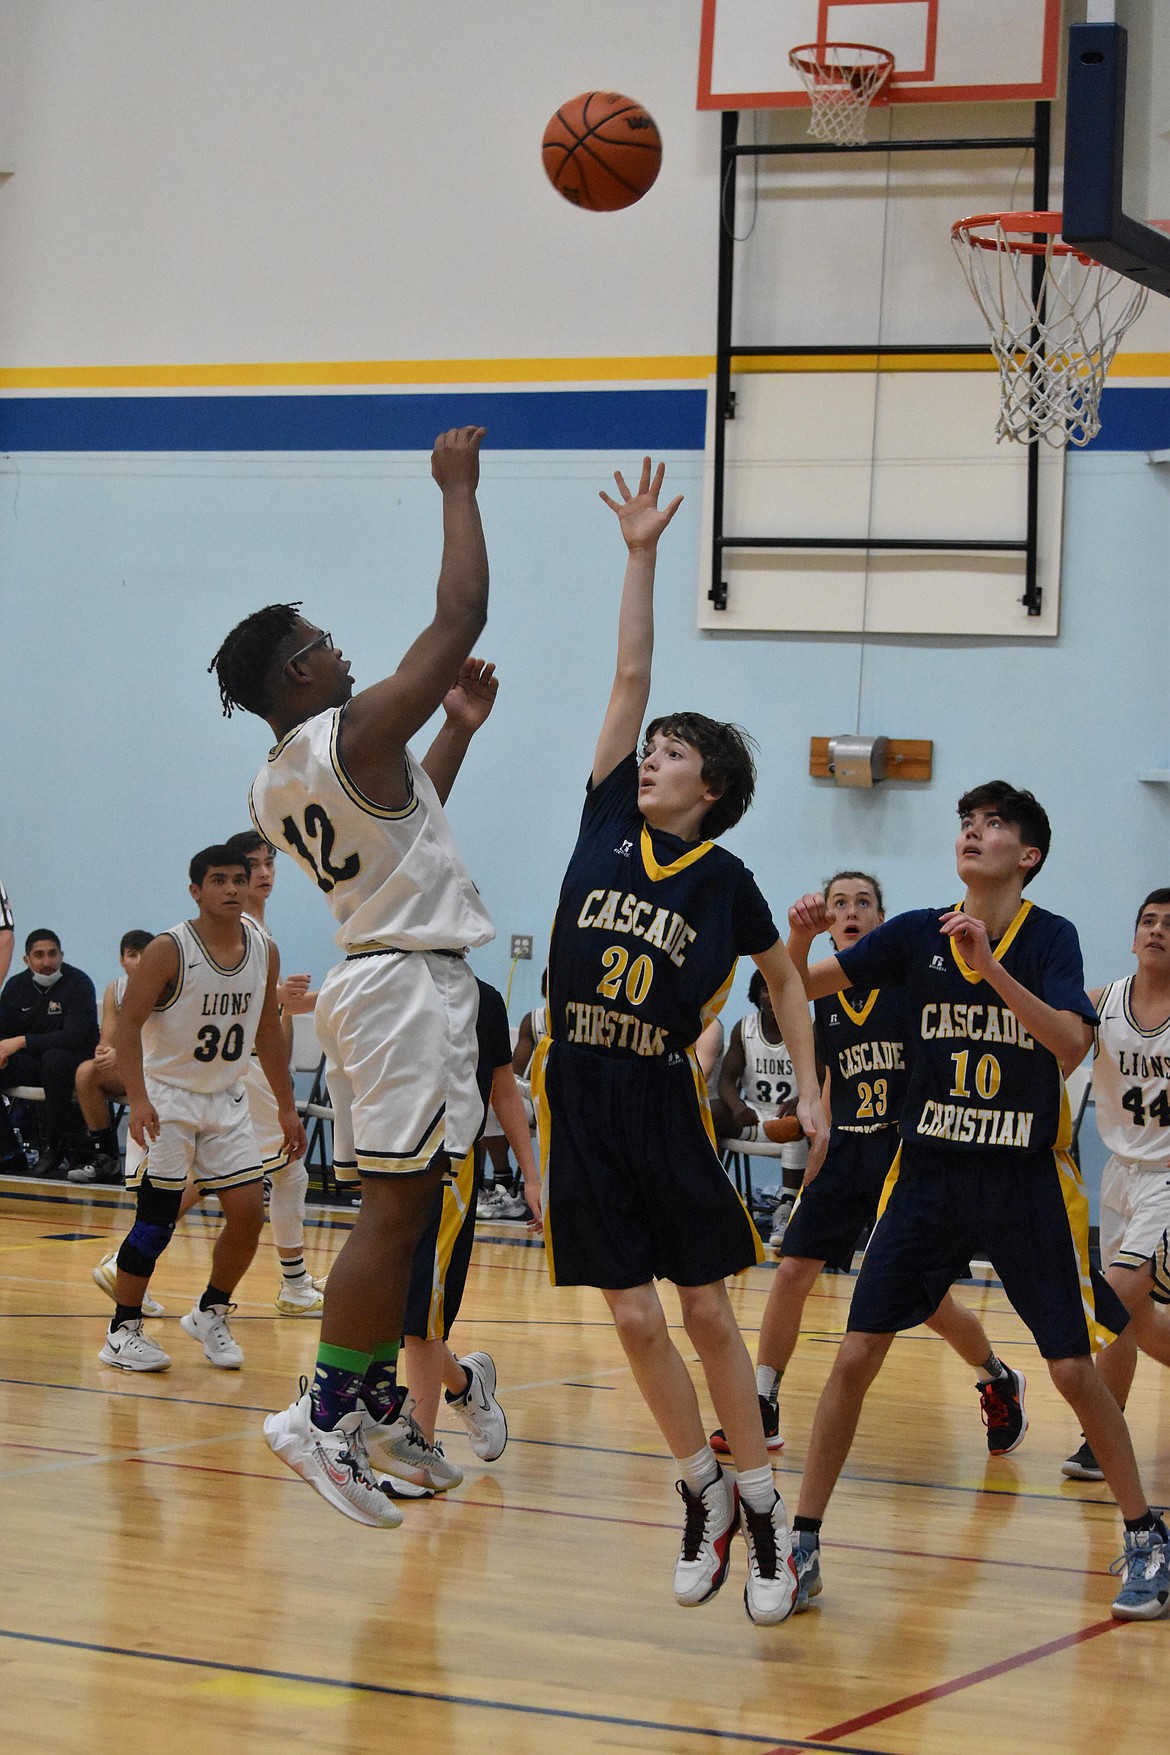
point(521, 945)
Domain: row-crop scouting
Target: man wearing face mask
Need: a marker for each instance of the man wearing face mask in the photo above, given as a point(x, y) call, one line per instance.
point(48, 1026)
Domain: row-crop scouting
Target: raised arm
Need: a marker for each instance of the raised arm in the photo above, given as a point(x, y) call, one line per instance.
point(377, 723)
point(466, 705)
point(806, 919)
point(1065, 1034)
point(642, 523)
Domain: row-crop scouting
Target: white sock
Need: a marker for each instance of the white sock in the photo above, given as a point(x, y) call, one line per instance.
point(767, 1383)
point(757, 1488)
point(700, 1470)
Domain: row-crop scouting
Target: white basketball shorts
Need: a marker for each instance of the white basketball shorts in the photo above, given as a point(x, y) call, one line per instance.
point(265, 1118)
point(1135, 1219)
point(207, 1134)
point(398, 1031)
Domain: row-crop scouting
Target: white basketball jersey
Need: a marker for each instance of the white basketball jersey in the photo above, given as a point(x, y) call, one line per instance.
point(539, 1022)
point(202, 1036)
point(1131, 1080)
point(391, 877)
point(768, 1078)
point(120, 983)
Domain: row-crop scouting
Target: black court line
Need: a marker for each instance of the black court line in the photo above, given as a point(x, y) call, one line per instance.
point(383, 1689)
point(1004, 1493)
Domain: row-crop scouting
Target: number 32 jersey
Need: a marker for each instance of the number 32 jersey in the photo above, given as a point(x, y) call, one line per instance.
point(201, 1038)
point(393, 878)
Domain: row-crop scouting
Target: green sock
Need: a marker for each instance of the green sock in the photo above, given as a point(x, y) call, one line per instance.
point(336, 1382)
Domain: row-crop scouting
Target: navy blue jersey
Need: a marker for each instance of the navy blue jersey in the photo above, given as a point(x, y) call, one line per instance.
point(862, 1037)
point(648, 929)
point(977, 1077)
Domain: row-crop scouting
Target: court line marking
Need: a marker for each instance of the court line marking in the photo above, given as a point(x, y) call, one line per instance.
point(939, 1692)
point(139, 1453)
point(569, 1714)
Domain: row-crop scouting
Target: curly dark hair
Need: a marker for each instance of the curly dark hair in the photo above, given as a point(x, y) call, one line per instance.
point(728, 764)
point(1022, 809)
point(245, 664)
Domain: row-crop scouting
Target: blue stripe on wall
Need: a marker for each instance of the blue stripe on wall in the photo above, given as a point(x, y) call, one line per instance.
point(1133, 420)
point(550, 420)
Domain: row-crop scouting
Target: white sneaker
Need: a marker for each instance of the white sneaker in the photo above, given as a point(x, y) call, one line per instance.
point(769, 1596)
point(487, 1202)
point(780, 1220)
point(335, 1463)
point(105, 1276)
point(301, 1297)
point(399, 1447)
point(130, 1348)
point(478, 1411)
point(211, 1328)
point(705, 1554)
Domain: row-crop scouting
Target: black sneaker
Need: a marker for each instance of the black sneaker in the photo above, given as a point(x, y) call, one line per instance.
point(771, 1418)
point(52, 1161)
point(104, 1167)
point(1002, 1400)
point(1082, 1465)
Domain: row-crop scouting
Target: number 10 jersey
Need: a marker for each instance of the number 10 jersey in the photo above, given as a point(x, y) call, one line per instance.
point(392, 878)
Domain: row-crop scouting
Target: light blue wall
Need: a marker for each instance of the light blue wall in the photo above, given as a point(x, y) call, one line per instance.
point(119, 576)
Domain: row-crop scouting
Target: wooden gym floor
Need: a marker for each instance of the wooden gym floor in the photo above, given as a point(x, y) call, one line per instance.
point(170, 1588)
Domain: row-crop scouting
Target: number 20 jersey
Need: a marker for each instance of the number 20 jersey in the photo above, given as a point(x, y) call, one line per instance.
point(647, 932)
point(202, 1037)
point(392, 878)
point(1131, 1080)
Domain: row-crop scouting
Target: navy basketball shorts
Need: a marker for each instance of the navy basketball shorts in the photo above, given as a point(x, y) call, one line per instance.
point(1025, 1212)
point(633, 1187)
point(438, 1267)
point(832, 1210)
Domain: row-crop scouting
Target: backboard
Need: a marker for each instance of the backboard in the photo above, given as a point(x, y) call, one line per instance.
point(946, 51)
point(1117, 138)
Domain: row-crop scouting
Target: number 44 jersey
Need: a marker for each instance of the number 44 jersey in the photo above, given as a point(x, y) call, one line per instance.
point(1131, 1080)
point(202, 1036)
point(393, 878)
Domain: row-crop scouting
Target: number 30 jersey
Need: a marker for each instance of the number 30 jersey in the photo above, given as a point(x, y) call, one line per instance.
point(393, 878)
point(1131, 1080)
point(202, 1036)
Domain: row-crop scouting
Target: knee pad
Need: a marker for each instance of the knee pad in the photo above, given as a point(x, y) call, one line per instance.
point(153, 1228)
point(287, 1189)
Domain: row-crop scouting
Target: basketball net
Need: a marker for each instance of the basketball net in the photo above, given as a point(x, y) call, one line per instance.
point(842, 81)
point(1055, 350)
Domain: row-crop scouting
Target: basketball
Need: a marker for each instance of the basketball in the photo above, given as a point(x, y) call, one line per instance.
point(602, 151)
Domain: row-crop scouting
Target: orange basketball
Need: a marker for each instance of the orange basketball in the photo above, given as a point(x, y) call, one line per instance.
point(602, 151)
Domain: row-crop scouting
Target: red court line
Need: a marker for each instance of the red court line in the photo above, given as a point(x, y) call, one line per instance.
point(986, 1674)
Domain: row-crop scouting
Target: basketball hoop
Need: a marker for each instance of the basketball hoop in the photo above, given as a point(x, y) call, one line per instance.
point(842, 81)
point(1053, 346)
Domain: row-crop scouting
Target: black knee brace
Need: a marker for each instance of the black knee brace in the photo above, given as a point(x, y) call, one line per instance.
point(153, 1228)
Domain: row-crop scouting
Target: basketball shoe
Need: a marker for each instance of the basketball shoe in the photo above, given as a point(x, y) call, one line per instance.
point(1002, 1403)
point(478, 1411)
point(334, 1463)
point(1082, 1465)
point(399, 1447)
point(104, 1276)
point(769, 1596)
point(303, 1297)
point(210, 1327)
point(130, 1348)
point(712, 1518)
point(1145, 1575)
point(771, 1418)
point(806, 1551)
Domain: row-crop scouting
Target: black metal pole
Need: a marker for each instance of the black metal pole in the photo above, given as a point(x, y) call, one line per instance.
point(1033, 597)
point(717, 592)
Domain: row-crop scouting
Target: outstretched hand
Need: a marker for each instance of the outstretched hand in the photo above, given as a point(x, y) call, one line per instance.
point(640, 516)
point(455, 458)
point(472, 696)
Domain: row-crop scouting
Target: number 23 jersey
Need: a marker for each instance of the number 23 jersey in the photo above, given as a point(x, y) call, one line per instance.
point(201, 1038)
point(648, 930)
point(392, 878)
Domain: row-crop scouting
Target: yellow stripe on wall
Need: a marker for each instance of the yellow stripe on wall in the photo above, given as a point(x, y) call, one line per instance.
point(335, 374)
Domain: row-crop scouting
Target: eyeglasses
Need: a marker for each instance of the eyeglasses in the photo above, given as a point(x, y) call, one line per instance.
point(325, 640)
